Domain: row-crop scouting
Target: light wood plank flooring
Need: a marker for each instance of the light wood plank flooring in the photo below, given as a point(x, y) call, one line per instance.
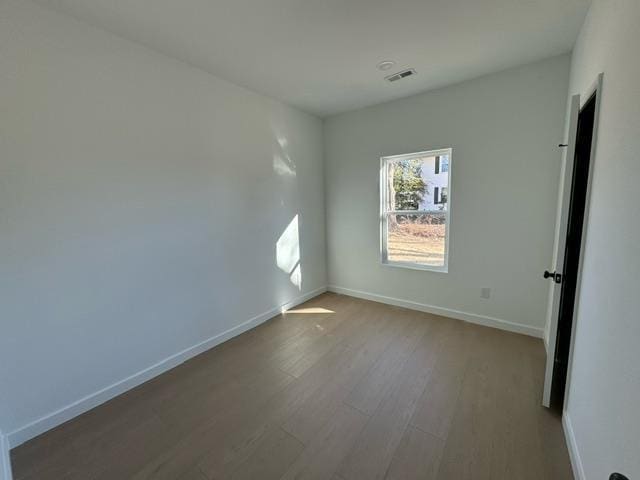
point(337, 389)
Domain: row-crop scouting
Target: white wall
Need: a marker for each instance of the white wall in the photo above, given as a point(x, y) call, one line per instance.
point(141, 204)
point(604, 388)
point(504, 130)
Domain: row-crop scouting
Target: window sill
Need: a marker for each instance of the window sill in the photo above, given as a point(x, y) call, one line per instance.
point(416, 266)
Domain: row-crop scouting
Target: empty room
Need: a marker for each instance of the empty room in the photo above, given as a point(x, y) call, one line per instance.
point(319, 239)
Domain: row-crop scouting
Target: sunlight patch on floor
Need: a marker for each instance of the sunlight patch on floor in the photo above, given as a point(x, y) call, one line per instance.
point(310, 310)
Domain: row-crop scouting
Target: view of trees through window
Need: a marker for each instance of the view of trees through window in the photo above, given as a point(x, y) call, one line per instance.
point(408, 186)
point(415, 216)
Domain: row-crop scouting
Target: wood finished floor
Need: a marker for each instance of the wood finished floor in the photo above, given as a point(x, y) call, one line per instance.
point(360, 391)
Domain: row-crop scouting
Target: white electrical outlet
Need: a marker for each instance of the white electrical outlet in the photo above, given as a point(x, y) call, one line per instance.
point(485, 292)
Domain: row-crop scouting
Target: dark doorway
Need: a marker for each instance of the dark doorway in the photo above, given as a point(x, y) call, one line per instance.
point(569, 277)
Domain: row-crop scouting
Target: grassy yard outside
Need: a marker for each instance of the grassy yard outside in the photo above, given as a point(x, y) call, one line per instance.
point(416, 243)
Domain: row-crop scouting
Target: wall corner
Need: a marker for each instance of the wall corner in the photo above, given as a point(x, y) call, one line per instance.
point(5, 460)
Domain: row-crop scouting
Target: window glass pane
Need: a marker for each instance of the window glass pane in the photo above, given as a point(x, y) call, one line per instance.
point(417, 238)
point(417, 183)
point(406, 186)
point(444, 163)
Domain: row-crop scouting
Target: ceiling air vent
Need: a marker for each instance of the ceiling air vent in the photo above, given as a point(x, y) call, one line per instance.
point(400, 75)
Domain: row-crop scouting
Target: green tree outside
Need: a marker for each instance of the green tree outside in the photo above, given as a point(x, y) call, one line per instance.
point(408, 188)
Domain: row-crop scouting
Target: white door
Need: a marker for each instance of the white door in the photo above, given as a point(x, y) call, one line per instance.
point(560, 245)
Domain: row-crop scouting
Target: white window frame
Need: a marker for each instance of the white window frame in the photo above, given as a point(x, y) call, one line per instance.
point(385, 213)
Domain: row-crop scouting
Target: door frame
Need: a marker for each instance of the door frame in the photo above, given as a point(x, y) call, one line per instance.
point(561, 231)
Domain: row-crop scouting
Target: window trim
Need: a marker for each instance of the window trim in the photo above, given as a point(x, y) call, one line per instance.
point(383, 213)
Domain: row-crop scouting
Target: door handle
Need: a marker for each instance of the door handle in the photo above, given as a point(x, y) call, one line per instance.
point(555, 276)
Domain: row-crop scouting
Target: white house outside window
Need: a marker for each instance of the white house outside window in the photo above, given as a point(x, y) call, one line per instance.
point(415, 206)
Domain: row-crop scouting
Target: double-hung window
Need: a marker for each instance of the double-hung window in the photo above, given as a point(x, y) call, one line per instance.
point(415, 205)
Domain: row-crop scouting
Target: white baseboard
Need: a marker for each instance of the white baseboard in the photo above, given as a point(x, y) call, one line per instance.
point(572, 446)
point(445, 312)
point(5, 461)
point(82, 405)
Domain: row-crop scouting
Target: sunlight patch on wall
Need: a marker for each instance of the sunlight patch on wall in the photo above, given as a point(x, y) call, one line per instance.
point(288, 253)
point(283, 166)
point(296, 277)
